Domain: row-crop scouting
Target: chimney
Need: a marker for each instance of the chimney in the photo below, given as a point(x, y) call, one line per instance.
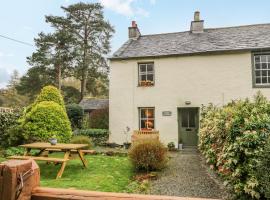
point(133, 31)
point(196, 25)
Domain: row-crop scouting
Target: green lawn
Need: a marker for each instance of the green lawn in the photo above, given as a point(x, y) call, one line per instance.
point(104, 173)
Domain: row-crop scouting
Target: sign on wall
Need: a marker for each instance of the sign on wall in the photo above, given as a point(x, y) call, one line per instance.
point(166, 113)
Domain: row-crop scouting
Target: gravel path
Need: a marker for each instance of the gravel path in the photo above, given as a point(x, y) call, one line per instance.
point(186, 176)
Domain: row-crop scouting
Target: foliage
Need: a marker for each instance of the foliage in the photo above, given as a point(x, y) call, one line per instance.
point(99, 136)
point(50, 93)
point(45, 120)
point(99, 118)
point(75, 115)
point(71, 94)
point(148, 155)
point(8, 121)
point(107, 174)
point(11, 151)
point(171, 146)
point(263, 171)
point(232, 139)
point(80, 139)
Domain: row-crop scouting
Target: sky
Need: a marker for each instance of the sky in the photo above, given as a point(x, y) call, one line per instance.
point(24, 19)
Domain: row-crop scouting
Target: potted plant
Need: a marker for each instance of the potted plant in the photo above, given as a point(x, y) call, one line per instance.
point(171, 146)
point(53, 140)
point(126, 143)
point(180, 145)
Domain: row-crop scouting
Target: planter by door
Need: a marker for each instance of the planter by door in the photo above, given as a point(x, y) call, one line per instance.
point(188, 125)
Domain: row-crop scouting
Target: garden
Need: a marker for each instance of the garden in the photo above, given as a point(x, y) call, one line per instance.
point(108, 169)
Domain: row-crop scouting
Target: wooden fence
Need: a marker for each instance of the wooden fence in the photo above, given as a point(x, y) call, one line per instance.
point(20, 180)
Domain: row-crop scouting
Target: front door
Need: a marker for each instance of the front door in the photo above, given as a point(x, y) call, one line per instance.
point(188, 123)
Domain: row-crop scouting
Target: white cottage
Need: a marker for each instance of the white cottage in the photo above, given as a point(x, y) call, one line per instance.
point(160, 81)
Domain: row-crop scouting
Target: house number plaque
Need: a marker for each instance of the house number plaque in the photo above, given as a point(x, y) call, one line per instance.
point(166, 113)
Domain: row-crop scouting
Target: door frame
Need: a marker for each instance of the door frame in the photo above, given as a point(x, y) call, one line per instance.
point(179, 125)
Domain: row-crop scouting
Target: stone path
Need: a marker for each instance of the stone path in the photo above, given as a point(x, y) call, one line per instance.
point(185, 176)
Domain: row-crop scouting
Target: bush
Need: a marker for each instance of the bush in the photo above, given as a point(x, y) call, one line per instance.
point(99, 119)
point(171, 146)
point(8, 121)
point(75, 115)
point(80, 139)
point(45, 120)
point(148, 155)
point(232, 138)
point(263, 171)
point(98, 136)
point(12, 151)
point(71, 94)
point(50, 93)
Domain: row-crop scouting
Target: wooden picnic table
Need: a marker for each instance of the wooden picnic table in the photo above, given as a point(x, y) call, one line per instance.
point(47, 147)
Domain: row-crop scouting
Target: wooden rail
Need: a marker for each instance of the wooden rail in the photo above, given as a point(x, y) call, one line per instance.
point(41, 193)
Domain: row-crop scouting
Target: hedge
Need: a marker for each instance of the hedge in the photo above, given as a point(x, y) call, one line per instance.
point(233, 138)
point(99, 136)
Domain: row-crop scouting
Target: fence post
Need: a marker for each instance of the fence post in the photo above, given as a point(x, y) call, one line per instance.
point(17, 179)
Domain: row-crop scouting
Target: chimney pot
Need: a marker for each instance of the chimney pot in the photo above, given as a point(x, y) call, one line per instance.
point(133, 31)
point(197, 25)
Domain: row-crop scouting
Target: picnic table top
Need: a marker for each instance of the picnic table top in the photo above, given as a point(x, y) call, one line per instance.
point(43, 145)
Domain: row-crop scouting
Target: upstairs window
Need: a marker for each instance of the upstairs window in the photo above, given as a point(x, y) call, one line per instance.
point(147, 118)
point(146, 74)
point(262, 70)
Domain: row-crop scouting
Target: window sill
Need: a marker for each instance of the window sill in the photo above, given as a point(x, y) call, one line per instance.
point(261, 86)
point(145, 85)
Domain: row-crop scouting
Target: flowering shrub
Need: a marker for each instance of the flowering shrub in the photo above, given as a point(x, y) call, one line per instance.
point(232, 139)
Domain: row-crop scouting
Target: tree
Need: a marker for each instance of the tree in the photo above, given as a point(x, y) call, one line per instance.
point(92, 36)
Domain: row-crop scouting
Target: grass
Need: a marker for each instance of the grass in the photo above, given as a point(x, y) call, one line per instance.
point(104, 173)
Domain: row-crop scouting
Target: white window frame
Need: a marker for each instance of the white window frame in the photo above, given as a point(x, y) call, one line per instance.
point(146, 118)
point(146, 73)
point(267, 70)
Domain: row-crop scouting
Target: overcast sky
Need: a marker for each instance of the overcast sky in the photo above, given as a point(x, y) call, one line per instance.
point(24, 19)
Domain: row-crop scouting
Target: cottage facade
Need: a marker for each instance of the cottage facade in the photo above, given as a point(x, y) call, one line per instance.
point(159, 82)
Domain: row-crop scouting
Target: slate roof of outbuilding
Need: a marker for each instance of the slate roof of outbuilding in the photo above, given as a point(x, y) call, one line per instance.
point(93, 103)
point(249, 37)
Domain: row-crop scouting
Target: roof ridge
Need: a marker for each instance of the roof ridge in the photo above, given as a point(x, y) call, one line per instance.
point(225, 27)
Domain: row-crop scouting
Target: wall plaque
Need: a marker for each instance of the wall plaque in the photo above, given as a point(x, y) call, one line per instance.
point(166, 113)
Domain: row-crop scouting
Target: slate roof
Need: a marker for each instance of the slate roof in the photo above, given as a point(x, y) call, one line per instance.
point(93, 103)
point(249, 37)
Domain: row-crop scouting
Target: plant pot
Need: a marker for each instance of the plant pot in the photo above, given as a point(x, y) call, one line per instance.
point(180, 146)
point(53, 141)
point(127, 145)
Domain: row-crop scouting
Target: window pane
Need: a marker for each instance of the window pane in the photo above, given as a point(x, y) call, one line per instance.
point(257, 66)
point(143, 77)
point(263, 58)
point(257, 59)
point(268, 58)
point(184, 117)
point(264, 73)
point(142, 68)
point(192, 118)
point(150, 77)
point(268, 79)
point(150, 68)
point(143, 124)
point(264, 66)
point(258, 73)
point(258, 80)
point(150, 124)
point(264, 79)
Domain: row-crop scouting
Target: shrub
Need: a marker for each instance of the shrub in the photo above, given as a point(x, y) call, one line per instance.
point(99, 119)
point(263, 171)
point(71, 94)
point(50, 93)
point(45, 120)
point(148, 155)
point(11, 151)
point(171, 146)
point(8, 121)
point(80, 139)
point(75, 115)
point(98, 136)
point(232, 139)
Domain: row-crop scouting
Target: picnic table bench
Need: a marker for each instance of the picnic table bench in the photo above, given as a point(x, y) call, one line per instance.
point(67, 149)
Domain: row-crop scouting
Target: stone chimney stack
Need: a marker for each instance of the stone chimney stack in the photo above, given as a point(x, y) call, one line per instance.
point(133, 31)
point(197, 25)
